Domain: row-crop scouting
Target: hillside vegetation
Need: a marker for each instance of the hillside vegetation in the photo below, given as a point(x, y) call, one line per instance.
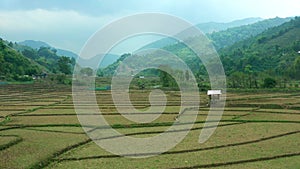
point(268, 59)
point(14, 65)
point(18, 62)
point(230, 36)
point(273, 53)
point(226, 34)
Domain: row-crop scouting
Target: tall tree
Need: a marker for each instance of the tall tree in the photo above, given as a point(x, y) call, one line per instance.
point(64, 65)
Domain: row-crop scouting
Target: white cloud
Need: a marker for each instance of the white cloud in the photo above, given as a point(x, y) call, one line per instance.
point(64, 29)
point(73, 22)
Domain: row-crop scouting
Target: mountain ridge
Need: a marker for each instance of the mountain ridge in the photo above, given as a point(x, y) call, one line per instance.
point(220, 37)
point(36, 44)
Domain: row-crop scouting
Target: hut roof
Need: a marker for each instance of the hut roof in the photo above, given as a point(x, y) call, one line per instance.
point(213, 92)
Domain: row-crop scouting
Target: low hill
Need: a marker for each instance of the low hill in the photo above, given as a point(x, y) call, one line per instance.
point(109, 58)
point(13, 65)
point(46, 58)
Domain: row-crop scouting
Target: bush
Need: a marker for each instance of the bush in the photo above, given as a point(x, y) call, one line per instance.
point(63, 79)
point(269, 83)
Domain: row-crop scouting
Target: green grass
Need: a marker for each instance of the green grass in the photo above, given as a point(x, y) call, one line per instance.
point(241, 142)
point(36, 146)
point(8, 141)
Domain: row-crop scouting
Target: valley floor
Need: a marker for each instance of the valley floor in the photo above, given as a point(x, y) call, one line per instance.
point(39, 129)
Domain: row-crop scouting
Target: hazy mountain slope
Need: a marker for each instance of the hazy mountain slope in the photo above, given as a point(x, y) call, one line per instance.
point(34, 44)
point(274, 52)
point(37, 44)
point(232, 35)
point(211, 27)
point(208, 27)
point(224, 38)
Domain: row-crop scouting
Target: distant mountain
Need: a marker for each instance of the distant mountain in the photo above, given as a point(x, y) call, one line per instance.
point(211, 27)
point(37, 44)
point(110, 69)
point(94, 62)
point(34, 44)
point(62, 52)
point(108, 59)
point(206, 28)
point(160, 43)
point(230, 36)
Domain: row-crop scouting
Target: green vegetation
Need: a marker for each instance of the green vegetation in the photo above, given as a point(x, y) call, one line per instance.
point(274, 53)
point(21, 63)
point(230, 36)
point(210, 28)
point(14, 66)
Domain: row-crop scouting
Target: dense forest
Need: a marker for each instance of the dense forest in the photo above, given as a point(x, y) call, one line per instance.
point(230, 36)
point(270, 58)
point(14, 65)
point(272, 54)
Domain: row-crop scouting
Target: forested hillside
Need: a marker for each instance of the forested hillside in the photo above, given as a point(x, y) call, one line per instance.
point(265, 60)
point(274, 53)
point(230, 36)
point(226, 34)
point(18, 62)
point(14, 65)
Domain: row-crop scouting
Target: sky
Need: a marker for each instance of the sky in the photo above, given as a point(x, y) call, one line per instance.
point(68, 24)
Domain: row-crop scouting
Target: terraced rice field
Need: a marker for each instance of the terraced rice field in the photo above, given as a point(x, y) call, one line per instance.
point(39, 129)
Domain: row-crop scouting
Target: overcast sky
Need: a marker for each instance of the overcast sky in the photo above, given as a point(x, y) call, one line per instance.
point(68, 24)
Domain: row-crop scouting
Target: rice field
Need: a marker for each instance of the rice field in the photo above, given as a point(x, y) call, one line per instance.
point(39, 129)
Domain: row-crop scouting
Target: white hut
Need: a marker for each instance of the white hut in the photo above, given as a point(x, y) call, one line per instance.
point(214, 95)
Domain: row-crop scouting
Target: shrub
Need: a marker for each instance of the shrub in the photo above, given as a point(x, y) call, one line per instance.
point(269, 83)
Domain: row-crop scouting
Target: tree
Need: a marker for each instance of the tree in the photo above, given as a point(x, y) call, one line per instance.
point(10, 44)
point(237, 80)
point(30, 53)
point(87, 71)
point(269, 83)
point(100, 72)
point(297, 68)
point(64, 65)
point(187, 75)
point(248, 70)
point(166, 79)
point(47, 52)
